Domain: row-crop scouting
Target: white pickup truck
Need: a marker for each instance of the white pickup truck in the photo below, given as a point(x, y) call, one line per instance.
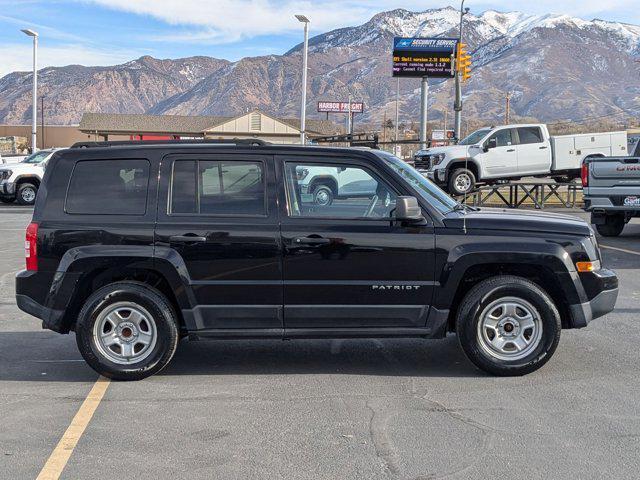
point(510, 152)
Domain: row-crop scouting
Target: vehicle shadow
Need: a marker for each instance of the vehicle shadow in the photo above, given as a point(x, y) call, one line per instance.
point(381, 357)
point(49, 357)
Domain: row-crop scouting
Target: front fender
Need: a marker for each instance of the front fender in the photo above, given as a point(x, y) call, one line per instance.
point(537, 252)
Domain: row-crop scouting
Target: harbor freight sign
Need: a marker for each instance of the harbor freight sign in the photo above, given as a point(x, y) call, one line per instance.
point(424, 57)
point(340, 107)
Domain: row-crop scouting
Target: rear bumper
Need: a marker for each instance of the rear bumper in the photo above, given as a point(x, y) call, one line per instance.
point(51, 319)
point(602, 303)
point(46, 295)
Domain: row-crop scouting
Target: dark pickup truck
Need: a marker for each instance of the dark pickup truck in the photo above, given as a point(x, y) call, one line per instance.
point(134, 246)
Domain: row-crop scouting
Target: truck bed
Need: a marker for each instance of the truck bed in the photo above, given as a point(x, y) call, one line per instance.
point(569, 150)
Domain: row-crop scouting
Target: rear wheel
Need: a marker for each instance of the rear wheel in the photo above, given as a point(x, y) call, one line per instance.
point(127, 331)
point(508, 326)
point(613, 226)
point(26, 194)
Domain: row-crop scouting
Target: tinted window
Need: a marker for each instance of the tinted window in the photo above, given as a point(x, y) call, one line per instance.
point(108, 187)
point(317, 190)
point(218, 188)
point(530, 135)
point(503, 138)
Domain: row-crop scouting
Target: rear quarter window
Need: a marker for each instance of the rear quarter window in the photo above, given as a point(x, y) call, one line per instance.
point(108, 187)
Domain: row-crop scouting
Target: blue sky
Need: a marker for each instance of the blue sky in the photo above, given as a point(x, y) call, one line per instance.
point(105, 32)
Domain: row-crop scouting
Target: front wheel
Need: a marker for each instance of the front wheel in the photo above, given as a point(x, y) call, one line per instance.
point(508, 326)
point(26, 194)
point(461, 181)
point(127, 331)
point(613, 226)
point(323, 195)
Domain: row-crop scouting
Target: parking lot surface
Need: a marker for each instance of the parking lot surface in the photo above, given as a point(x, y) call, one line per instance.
point(316, 409)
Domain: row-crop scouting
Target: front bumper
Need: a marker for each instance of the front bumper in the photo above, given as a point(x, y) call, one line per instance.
point(7, 189)
point(605, 283)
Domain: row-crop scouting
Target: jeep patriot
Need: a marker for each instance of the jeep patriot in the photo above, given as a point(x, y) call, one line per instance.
point(136, 245)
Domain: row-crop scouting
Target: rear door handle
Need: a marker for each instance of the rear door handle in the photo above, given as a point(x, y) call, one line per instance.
point(187, 239)
point(311, 241)
point(542, 148)
point(511, 150)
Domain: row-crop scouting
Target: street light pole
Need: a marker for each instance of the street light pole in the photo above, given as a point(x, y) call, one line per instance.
point(34, 111)
point(458, 102)
point(305, 54)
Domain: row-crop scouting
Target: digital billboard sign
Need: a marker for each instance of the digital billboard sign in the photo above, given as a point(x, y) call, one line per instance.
point(424, 57)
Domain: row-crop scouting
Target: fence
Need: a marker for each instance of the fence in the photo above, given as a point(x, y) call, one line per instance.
point(514, 195)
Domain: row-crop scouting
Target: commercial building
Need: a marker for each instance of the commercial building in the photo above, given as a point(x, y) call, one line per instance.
point(255, 124)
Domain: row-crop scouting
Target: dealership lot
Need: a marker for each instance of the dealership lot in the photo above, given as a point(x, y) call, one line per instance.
point(327, 408)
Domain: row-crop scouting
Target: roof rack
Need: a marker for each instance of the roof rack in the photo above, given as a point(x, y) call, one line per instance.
point(232, 141)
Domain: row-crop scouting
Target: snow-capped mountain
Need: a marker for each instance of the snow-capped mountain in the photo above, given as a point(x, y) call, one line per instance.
point(556, 66)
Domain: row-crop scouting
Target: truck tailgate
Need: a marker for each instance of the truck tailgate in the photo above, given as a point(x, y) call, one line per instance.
point(614, 172)
point(614, 183)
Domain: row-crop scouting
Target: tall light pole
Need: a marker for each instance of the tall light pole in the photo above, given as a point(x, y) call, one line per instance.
point(458, 102)
point(34, 112)
point(305, 54)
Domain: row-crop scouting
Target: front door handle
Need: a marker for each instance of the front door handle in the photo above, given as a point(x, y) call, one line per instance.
point(511, 150)
point(311, 241)
point(187, 239)
point(542, 148)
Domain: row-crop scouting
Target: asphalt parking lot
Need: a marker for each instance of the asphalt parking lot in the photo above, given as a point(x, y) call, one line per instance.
point(370, 409)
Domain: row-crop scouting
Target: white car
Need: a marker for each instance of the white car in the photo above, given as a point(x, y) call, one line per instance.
point(19, 181)
point(322, 185)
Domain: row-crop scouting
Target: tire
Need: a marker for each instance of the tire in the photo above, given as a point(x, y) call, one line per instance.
point(26, 194)
point(613, 226)
point(461, 181)
point(160, 332)
point(484, 300)
point(323, 195)
point(6, 200)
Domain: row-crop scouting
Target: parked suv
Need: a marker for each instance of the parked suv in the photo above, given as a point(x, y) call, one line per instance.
point(206, 240)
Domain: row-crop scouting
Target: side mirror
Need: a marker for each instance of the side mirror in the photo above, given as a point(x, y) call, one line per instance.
point(491, 143)
point(408, 210)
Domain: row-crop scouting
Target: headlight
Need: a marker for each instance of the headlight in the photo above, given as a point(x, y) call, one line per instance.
point(5, 174)
point(437, 158)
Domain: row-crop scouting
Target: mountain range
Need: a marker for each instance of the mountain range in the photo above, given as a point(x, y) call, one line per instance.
point(556, 67)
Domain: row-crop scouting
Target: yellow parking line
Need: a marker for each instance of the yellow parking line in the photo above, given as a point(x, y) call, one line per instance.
point(624, 250)
point(60, 455)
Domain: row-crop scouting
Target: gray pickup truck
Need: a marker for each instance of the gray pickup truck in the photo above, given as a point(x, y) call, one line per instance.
point(611, 187)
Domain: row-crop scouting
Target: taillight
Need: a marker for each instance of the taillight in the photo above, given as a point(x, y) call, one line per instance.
point(584, 174)
point(31, 246)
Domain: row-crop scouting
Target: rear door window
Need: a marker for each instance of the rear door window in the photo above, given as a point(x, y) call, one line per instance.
point(108, 187)
point(211, 187)
point(530, 135)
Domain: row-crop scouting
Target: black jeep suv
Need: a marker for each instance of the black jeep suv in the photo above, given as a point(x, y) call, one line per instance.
point(133, 246)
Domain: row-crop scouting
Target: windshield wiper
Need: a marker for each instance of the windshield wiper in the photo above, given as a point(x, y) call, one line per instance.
point(461, 207)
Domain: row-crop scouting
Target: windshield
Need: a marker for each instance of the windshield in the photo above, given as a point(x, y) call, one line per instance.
point(425, 187)
point(475, 137)
point(37, 157)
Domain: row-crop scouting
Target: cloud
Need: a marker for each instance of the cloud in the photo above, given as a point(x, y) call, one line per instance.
point(228, 21)
point(18, 57)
